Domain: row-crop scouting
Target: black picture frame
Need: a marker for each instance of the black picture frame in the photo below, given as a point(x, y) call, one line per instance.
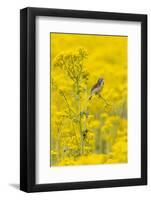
point(28, 99)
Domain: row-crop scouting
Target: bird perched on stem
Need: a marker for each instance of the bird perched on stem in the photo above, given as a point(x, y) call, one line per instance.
point(97, 88)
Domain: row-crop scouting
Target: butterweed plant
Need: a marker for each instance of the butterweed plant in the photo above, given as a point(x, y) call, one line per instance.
point(72, 64)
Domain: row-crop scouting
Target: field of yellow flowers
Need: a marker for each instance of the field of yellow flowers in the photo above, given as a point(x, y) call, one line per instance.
point(85, 131)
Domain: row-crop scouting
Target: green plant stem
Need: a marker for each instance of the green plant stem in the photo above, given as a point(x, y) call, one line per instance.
point(79, 111)
point(70, 110)
point(67, 102)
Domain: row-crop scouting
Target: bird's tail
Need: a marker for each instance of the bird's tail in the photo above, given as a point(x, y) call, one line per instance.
point(90, 97)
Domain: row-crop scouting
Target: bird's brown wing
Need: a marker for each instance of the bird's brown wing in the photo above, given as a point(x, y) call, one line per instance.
point(94, 87)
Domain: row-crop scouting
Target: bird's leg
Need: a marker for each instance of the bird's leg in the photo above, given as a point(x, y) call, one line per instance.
point(90, 97)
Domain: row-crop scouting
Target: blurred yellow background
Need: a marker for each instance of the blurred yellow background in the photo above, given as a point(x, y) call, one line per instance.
point(87, 131)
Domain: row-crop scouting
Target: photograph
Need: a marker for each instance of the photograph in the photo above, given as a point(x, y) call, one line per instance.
point(88, 99)
point(83, 84)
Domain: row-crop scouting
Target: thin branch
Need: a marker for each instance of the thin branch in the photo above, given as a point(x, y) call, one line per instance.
point(104, 100)
point(67, 102)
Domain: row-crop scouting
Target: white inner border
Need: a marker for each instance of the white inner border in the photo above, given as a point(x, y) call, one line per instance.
point(132, 169)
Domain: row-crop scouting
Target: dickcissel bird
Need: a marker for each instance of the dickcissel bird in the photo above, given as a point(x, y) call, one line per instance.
point(97, 88)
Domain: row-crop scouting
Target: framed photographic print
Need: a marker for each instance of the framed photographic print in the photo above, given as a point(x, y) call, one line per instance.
point(83, 99)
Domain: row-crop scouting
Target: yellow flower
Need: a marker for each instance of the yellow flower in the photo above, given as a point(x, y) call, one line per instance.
point(94, 124)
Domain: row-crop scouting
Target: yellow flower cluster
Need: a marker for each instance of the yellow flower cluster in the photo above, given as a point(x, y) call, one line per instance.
point(88, 131)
